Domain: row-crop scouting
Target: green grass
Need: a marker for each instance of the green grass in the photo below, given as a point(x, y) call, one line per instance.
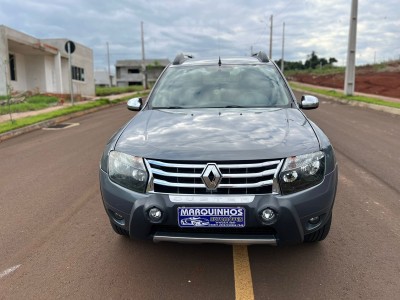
point(333, 93)
point(31, 103)
point(381, 66)
point(19, 123)
point(106, 91)
point(325, 70)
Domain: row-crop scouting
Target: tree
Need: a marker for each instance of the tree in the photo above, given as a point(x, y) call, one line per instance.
point(323, 61)
point(9, 93)
point(332, 60)
point(312, 62)
point(8, 89)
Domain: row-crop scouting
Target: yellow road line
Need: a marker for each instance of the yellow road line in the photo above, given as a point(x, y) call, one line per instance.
point(242, 272)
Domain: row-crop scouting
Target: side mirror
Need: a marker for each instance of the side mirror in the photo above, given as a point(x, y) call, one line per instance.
point(309, 102)
point(135, 104)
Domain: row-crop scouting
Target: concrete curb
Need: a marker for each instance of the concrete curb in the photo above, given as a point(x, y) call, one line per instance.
point(390, 110)
point(30, 128)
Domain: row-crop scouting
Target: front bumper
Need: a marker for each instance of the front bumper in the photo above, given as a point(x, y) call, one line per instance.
point(293, 212)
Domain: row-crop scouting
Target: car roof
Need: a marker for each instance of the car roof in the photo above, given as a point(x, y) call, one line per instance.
point(224, 61)
point(257, 58)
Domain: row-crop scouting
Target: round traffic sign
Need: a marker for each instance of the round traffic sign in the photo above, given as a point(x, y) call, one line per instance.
point(70, 47)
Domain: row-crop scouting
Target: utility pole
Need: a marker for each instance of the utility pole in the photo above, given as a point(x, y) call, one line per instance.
point(283, 48)
point(251, 50)
point(71, 86)
point(270, 36)
point(349, 84)
point(143, 60)
point(109, 71)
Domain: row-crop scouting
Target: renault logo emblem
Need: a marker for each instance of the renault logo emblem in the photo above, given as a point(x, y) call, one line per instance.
point(211, 176)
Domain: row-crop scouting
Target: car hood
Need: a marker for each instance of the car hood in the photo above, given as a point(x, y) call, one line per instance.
point(217, 135)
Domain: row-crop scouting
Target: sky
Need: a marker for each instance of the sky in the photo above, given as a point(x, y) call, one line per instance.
point(206, 28)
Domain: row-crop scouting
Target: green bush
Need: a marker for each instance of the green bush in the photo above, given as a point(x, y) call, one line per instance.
point(42, 99)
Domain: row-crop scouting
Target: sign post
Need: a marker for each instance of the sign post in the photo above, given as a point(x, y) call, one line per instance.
point(70, 48)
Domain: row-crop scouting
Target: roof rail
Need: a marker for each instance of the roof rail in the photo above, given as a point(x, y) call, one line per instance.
point(262, 56)
point(180, 58)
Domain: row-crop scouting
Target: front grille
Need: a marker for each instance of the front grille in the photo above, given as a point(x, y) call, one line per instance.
point(237, 177)
point(265, 230)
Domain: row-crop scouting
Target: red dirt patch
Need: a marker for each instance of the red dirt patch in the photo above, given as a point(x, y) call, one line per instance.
point(384, 83)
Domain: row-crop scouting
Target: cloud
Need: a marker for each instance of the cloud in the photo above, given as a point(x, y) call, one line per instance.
point(210, 28)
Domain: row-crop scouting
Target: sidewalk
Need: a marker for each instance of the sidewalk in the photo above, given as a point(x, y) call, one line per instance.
point(15, 116)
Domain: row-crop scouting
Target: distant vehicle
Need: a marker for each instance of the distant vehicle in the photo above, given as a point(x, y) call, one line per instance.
point(195, 221)
point(224, 138)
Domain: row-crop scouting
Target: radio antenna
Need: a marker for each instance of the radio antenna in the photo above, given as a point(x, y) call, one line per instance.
point(219, 30)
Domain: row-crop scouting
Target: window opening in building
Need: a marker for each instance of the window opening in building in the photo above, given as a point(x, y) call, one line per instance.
point(13, 71)
point(133, 71)
point(78, 73)
point(135, 83)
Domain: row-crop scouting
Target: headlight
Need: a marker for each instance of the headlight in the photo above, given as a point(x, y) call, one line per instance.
point(302, 172)
point(128, 171)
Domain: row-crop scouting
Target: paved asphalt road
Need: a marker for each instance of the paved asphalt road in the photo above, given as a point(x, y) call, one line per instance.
point(56, 242)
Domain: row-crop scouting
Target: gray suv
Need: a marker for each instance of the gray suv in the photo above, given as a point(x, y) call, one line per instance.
point(220, 153)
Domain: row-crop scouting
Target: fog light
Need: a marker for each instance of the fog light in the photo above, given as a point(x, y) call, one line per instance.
point(116, 215)
point(314, 220)
point(118, 218)
point(268, 215)
point(155, 214)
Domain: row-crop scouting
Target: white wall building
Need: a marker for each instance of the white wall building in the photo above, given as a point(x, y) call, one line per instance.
point(41, 65)
point(101, 78)
point(130, 72)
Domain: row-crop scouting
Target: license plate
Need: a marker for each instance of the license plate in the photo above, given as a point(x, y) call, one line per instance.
point(211, 217)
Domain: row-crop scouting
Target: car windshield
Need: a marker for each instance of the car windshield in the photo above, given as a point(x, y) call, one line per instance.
point(225, 86)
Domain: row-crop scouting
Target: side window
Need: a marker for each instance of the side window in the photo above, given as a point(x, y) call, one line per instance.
point(13, 71)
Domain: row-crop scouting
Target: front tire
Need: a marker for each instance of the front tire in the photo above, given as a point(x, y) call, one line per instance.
point(320, 234)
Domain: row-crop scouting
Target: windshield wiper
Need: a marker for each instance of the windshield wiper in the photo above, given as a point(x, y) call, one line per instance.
point(234, 106)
